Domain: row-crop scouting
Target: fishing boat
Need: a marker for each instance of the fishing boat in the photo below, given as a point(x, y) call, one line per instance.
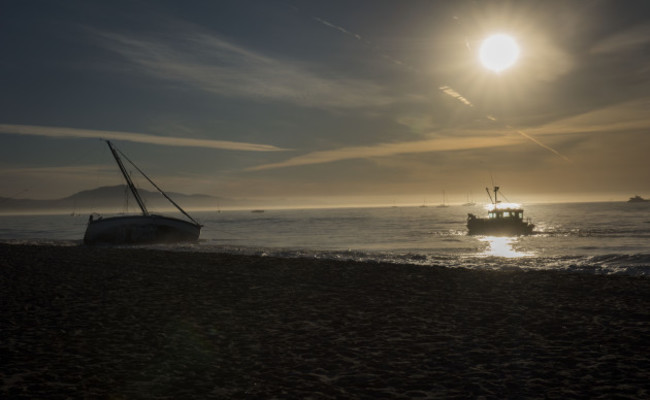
point(144, 228)
point(504, 219)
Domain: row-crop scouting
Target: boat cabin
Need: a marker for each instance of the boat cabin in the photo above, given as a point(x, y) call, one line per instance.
point(506, 213)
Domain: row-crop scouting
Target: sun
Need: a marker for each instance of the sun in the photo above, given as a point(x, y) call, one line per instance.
point(499, 52)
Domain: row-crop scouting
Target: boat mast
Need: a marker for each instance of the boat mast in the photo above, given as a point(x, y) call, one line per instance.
point(161, 191)
point(129, 182)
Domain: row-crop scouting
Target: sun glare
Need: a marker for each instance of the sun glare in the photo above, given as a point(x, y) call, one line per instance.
point(499, 52)
point(502, 206)
point(501, 247)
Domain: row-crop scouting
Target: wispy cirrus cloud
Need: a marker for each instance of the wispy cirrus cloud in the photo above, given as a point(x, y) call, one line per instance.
point(615, 120)
point(62, 132)
point(389, 149)
point(212, 64)
point(633, 39)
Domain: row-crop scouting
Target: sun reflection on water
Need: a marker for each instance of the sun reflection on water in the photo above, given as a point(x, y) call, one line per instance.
point(501, 246)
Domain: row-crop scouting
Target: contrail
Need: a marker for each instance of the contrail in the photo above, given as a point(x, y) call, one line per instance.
point(451, 92)
point(549, 148)
point(338, 28)
point(367, 43)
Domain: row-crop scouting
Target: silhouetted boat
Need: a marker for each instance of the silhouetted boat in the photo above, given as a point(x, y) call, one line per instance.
point(504, 219)
point(138, 229)
point(257, 211)
point(470, 202)
point(638, 199)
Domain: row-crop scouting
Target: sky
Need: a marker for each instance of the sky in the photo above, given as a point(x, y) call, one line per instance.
point(364, 101)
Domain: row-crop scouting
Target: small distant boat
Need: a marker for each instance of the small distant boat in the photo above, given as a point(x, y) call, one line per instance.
point(504, 219)
point(470, 202)
point(140, 229)
point(257, 211)
point(638, 199)
point(444, 203)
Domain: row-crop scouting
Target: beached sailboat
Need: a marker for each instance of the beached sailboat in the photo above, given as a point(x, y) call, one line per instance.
point(504, 219)
point(139, 229)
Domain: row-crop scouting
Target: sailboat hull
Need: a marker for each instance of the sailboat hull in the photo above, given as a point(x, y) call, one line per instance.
point(140, 229)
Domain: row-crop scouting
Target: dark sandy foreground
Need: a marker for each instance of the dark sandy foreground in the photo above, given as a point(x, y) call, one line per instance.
point(79, 322)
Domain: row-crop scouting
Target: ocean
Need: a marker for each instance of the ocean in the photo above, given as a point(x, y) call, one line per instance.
point(596, 238)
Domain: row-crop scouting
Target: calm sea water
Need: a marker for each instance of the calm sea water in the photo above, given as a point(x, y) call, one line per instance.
point(603, 238)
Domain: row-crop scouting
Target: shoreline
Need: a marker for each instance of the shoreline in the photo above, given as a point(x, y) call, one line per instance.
point(107, 322)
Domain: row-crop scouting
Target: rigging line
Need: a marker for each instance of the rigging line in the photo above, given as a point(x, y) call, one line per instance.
point(159, 189)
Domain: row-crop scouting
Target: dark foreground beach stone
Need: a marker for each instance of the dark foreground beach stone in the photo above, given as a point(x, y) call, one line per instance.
point(113, 323)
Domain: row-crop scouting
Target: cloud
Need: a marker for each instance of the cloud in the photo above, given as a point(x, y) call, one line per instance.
point(59, 170)
point(633, 39)
point(61, 132)
point(388, 149)
point(617, 119)
point(209, 63)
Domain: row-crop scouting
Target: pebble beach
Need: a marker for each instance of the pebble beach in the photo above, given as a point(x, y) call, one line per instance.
point(80, 322)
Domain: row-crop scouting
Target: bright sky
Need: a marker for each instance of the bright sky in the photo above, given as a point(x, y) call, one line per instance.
point(292, 99)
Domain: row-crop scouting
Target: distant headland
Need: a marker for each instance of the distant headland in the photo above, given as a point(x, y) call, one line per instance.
point(109, 198)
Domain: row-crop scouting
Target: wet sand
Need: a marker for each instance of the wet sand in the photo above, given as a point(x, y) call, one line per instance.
point(82, 322)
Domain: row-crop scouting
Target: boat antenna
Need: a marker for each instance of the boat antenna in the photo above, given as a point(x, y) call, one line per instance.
point(129, 182)
point(489, 195)
point(160, 190)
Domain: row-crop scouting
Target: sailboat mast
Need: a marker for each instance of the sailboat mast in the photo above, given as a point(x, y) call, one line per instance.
point(129, 182)
point(161, 191)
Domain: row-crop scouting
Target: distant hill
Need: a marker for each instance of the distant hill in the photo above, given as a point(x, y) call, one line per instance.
point(112, 199)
